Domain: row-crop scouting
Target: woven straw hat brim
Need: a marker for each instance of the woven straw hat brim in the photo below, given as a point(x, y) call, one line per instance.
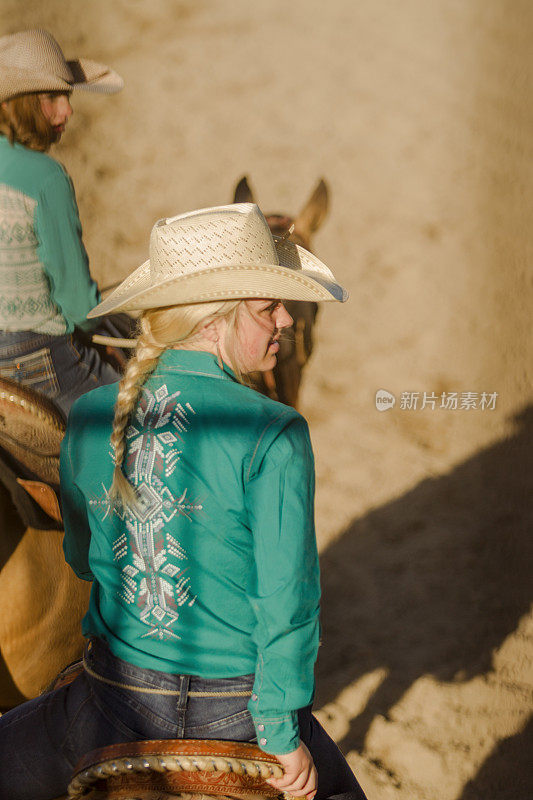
point(95, 77)
point(230, 282)
point(89, 75)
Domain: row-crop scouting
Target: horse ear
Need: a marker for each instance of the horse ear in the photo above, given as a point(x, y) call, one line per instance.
point(314, 212)
point(243, 193)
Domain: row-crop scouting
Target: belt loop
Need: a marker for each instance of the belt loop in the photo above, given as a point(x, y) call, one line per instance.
point(182, 705)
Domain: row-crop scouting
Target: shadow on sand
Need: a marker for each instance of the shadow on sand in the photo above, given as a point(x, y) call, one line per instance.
point(508, 773)
point(432, 583)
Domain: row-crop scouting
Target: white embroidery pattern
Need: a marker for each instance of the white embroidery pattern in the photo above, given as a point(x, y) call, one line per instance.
point(154, 577)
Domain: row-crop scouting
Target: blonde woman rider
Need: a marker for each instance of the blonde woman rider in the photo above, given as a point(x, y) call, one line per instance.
point(47, 290)
point(188, 501)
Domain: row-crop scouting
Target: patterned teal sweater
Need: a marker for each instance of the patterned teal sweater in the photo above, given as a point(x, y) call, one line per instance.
point(45, 285)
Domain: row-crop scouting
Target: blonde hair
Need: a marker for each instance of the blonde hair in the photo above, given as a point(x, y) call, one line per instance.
point(159, 330)
point(22, 121)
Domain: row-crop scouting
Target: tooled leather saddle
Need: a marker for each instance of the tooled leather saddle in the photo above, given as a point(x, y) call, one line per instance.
point(176, 768)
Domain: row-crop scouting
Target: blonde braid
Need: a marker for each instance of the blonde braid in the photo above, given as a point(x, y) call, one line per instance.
point(160, 328)
point(142, 363)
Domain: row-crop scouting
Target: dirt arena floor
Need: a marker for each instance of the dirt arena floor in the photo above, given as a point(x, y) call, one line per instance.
point(419, 116)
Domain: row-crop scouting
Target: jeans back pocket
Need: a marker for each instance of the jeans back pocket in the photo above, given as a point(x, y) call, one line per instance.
point(35, 370)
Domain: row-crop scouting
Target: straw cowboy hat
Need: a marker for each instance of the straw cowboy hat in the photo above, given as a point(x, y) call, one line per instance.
point(221, 253)
point(32, 61)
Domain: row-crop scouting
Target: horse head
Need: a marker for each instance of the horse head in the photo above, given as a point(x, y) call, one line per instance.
point(296, 345)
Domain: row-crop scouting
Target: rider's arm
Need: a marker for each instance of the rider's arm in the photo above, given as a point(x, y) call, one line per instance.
point(77, 532)
point(280, 502)
point(61, 251)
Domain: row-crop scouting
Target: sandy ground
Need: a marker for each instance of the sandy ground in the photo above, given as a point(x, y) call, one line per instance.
point(419, 116)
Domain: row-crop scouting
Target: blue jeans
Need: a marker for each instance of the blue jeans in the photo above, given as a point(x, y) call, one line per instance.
point(60, 367)
point(42, 740)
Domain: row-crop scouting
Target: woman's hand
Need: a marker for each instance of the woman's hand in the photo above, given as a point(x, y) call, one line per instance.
point(300, 778)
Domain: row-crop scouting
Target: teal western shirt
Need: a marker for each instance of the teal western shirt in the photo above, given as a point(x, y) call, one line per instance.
point(216, 574)
point(44, 272)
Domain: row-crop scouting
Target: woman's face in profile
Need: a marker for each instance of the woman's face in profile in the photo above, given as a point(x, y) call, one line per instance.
point(259, 326)
point(56, 110)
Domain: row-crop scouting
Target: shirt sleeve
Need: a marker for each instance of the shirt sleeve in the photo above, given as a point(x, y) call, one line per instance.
point(280, 503)
point(77, 532)
point(62, 253)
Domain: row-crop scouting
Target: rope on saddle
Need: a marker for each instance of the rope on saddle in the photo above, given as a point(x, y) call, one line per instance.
point(82, 782)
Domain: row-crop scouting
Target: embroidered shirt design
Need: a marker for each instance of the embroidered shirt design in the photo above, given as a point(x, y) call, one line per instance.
point(153, 569)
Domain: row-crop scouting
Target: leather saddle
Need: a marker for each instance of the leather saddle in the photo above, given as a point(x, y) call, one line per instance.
point(31, 430)
point(189, 769)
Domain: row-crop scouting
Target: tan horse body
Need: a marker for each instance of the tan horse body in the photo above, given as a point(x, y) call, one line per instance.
point(42, 601)
point(42, 605)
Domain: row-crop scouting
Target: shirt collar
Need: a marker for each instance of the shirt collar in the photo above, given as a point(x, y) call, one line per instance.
point(197, 362)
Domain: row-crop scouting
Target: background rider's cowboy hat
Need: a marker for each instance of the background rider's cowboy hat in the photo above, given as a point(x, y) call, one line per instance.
point(32, 61)
point(221, 253)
